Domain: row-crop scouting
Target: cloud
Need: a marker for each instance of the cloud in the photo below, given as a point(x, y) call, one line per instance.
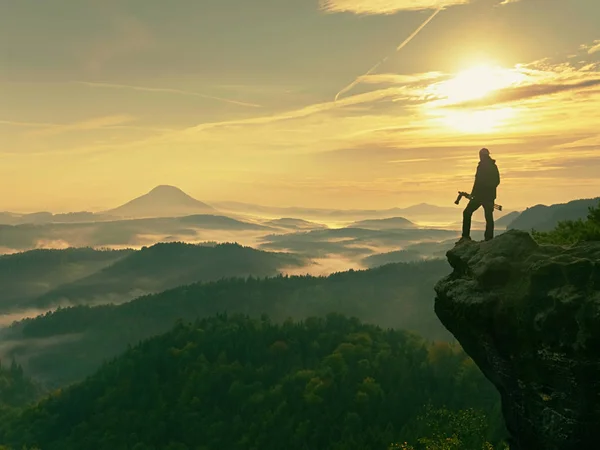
point(595, 47)
point(431, 149)
point(16, 123)
point(398, 48)
point(86, 125)
point(519, 93)
point(395, 79)
point(168, 91)
point(506, 2)
point(385, 6)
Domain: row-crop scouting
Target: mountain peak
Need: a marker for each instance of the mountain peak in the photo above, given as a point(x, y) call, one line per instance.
point(162, 201)
point(166, 188)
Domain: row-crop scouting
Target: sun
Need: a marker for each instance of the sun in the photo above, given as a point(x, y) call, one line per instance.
point(471, 84)
point(475, 83)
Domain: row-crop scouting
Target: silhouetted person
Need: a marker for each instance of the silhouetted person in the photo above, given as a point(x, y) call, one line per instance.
point(487, 180)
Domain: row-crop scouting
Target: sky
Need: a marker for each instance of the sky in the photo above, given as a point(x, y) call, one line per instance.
point(237, 100)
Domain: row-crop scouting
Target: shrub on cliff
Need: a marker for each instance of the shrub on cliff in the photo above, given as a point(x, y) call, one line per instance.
point(573, 231)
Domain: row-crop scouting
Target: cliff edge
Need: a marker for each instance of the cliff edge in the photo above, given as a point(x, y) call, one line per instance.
point(529, 316)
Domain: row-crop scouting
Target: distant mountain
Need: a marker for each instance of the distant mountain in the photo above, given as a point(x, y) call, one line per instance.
point(129, 232)
point(391, 223)
point(415, 213)
point(25, 276)
point(40, 218)
point(352, 243)
point(545, 218)
point(164, 266)
point(162, 201)
point(505, 221)
point(428, 210)
point(295, 224)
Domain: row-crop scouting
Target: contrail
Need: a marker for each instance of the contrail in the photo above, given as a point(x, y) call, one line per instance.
point(400, 47)
point(169, 91)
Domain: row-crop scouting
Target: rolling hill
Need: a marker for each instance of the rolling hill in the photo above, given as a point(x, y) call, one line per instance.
point(506, 220)
point(390, 223)
point(288, 223)
point(545, 218)
point(415, 213)
point(162, 201)
point(240, 384)
point(126, 233)
point(26, 276)
point(164, 266)
point(71, 343)
point(351, 242)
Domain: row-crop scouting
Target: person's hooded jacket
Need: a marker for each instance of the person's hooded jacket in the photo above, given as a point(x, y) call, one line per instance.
point(487, 179)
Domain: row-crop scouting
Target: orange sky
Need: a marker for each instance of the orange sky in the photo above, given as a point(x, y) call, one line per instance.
point(100, 103)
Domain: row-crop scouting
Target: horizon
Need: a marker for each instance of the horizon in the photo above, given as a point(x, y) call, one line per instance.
point(275, 105)
point(215, 205)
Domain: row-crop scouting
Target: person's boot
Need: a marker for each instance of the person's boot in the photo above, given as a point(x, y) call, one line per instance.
point(463, 239)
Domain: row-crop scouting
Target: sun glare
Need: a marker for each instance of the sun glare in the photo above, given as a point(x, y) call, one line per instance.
point(476, 82)
point(475, 122)
point(472, 84)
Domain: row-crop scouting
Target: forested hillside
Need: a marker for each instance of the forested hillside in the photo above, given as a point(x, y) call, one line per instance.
point(16, 389)
point(66, 345)
point(167, 265)
point(25, 276)
point(237, 383)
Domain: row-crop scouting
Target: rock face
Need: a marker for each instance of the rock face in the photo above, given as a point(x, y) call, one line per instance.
point(529, 316)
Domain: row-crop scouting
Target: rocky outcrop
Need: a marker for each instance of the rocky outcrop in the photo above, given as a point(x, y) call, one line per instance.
point(529, 316)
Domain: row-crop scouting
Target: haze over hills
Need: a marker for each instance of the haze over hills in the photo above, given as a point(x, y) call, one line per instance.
point(129, 233)
point(26, 276)
point(68, 344)
point(505, 221)
point(424, 210)
point(43, 217)
point(294, 224)
point(162, 201)
point(165, 266)
point(391, 223)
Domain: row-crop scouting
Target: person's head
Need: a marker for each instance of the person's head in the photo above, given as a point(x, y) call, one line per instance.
point(484, 153)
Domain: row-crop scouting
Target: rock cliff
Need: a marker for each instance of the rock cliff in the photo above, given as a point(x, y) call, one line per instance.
point(529, 316)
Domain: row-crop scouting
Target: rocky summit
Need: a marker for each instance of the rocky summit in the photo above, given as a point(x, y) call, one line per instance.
point(529, 316)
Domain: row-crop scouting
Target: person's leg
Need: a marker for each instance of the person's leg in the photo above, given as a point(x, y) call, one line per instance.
point(472, 206)
point(488, 208)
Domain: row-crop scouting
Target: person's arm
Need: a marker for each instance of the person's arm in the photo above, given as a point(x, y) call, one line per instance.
point(476, 182)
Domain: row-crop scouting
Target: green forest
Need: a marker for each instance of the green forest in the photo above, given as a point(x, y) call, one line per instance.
point(236, 382)
point(258, 363)
point(76, 340)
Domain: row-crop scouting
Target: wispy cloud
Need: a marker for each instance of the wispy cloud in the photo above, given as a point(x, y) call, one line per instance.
point(16, 123)
point(519, 93)
point(425, 141)
point(595, 47)
point(386, 6)
point(86, 125)
point(395, 79)
point(167, 91)
point(400, 47)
